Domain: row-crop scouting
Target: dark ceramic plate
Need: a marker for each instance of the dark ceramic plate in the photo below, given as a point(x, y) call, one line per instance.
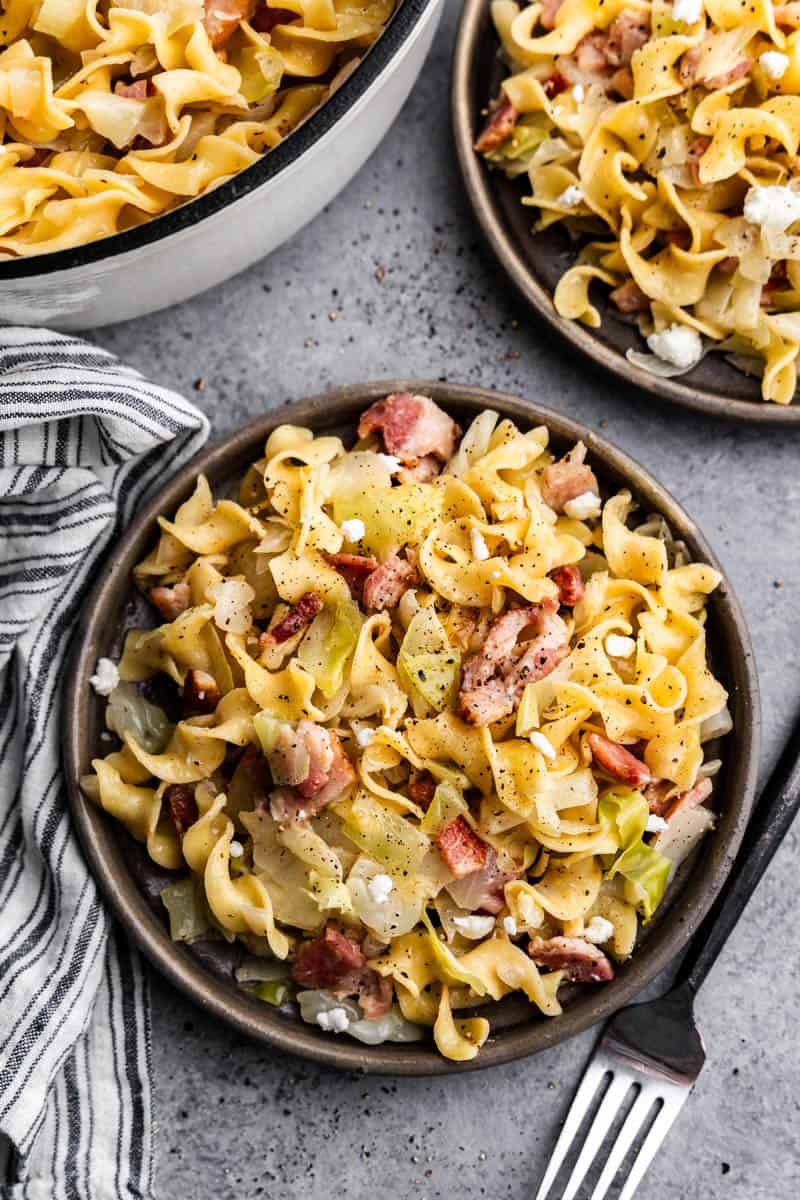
point(535, 263)
point(204, 971)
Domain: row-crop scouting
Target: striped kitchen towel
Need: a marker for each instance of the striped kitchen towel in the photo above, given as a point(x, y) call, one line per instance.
point(82, 441)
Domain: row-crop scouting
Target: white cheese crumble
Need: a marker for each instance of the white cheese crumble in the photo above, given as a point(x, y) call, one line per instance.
point(365, 737)
point(380, 888)
point(678, 345)
point(773, 207)
point(542, 744)
point(584, 506)
point(105, 678)
point(510, 926)
point(578, 93)
point(774, 63)
point(353, 529)
point(598, 930)
point(619, 647)
point(237, 849)
point(335, 1020)
point(570, 197)
point(655, 824)
point(480, 550)
point(391, 462)
point(474, 927)
point(688, 11)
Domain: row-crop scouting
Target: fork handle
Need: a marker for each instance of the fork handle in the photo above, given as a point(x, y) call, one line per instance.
point(768, 826)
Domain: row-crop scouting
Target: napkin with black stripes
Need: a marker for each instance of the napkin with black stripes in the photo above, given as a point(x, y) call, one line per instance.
point(83, 439)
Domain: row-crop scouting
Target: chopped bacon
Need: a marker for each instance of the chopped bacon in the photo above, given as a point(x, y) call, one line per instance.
point(498, 128)
point(171, 601)
point(590, 53)
point(658, 795)
point(355, 568)
point(554, 85)
point(482, 890)
point(617, 761)
point(569, 582)
point(547, 17)
point(265, 19)
point(462, 850)
point(778, 282)
point(200, 694)
point(298, 616)
point(568, 478)
point(494, 679)
point(621, 83)
point(421, 789)
point(629, 298)
point(337, 963)
point(387, 584)
point(681, 238)
point(182, 806)
point(627, 33)
point(411, 426)
point(427, 469)
point(693, 798)
point(581, 960)
point(222, 18)
point(140, 89)
point(330, 773)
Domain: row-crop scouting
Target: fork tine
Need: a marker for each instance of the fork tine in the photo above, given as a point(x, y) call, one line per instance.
point(617, 1090)
point(595, 1073)
point(633, 1123)
point(656, 1134)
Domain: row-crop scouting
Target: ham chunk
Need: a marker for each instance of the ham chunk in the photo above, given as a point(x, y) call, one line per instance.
point(265, 19)
point(222, 18)
point(582, 961)
point(140, 89)
point(627, 33)
point(315, 759)
point(338, 964)
point(171, 601)
point(590, 54)
point(387, 584)
point(462, 850)
point(181, 805)
point(569, 582)
point(498, 128)
point(619, 762)
point(298, 616)
point(494, 679)
point(629, 298)
point(200, 694)
point(568, 478)
point(411, 427)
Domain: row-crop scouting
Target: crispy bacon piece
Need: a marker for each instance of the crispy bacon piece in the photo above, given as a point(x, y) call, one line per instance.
point(629, 298)
point(421, 789)
point(617, 761)
point(568, 478)
point(140, 89)
point(387, 584)
point(355, 568)
point(298, 616)
point(374, 994)
point(547, 17)
point(222, 18)
point(657, 794)
point(171, 601)
point(778, 282)
point(462, 850)
point(200, 694)
point(427, 469)
point(693, 798)
point(265, 19)
point(411, 426)
point(498, 128)
point(494, 679)
point(330, 774)
point(180, 801)
point(554, 85)
point(482, 890)
point(582, 961)
point(337, 963)
point(569, 582)
point(627, 33)
point(590, 54)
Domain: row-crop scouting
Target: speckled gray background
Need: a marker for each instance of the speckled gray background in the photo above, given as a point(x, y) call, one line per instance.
point(237, 1121)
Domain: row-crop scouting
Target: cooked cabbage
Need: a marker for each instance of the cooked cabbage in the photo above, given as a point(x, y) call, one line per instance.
point(130, 712)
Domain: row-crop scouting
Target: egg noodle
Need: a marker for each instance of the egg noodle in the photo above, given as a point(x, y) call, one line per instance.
point(665, 136)
point(399, 804)
point(114, 113)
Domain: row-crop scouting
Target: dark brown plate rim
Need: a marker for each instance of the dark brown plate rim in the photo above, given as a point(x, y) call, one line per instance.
point(95, 633)
point(483, 199)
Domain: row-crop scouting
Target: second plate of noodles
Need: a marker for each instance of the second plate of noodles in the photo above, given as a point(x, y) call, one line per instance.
point(421, 723)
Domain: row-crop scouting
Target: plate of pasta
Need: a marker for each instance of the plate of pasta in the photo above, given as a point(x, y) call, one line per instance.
point(632, 167)
point(413, 728)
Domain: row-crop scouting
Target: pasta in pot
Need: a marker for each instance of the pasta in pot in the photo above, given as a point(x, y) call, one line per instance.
point(452, 749)
point(112, 114)
point(663, 134)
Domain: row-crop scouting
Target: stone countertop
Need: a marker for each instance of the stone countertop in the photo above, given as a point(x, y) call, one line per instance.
point(392, 280)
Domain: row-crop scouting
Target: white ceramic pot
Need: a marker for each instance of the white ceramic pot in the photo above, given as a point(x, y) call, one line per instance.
point(208, 240)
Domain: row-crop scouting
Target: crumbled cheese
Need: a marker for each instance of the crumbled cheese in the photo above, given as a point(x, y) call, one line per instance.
point(584, 506)
point(474, 927)
point(598, 930)
point(655, 824)
point(678, 345)
point(774, 63)
point(619, 647)
point(570, 197)
point(105, 678)
point(380, 888)
point(542, 744)
point(578, 93)
point(772, 207)
point(510, 926)
point(687, 11)
point(391, 462)
point(364, 737)
point(480, 550)
point(354, 529)
point(335, 1020)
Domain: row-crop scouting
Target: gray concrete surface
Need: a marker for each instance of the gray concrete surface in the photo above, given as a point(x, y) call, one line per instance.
point(236, 1121)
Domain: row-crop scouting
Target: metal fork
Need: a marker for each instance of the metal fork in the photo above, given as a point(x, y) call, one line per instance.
point(655, 1050)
